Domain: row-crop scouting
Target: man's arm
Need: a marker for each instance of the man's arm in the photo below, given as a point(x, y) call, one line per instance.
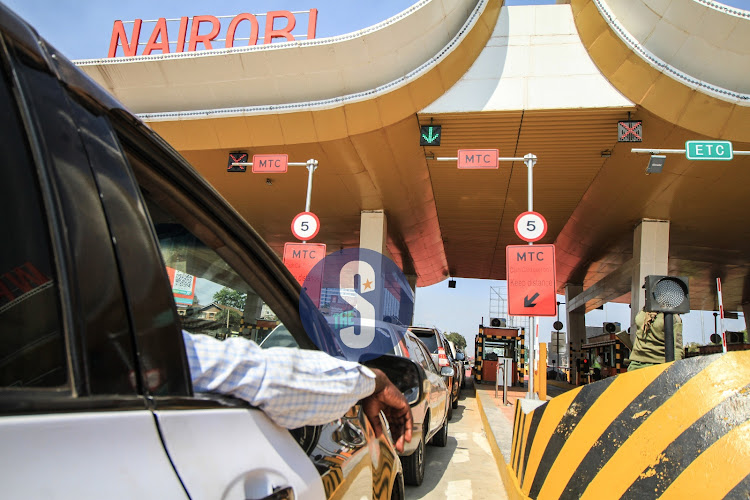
point(294, 387)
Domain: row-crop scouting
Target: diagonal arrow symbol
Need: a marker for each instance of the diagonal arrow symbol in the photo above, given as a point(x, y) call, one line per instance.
point(529, 302)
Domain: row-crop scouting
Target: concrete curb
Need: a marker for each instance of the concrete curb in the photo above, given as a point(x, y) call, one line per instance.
point(500, 443)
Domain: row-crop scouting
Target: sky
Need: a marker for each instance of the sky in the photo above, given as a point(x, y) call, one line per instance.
point(82, 29)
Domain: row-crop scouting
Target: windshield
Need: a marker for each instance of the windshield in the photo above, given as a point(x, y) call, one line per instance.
point(429, 338)
point(279, 337)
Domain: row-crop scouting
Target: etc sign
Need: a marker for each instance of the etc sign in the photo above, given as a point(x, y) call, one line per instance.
point(159, 39)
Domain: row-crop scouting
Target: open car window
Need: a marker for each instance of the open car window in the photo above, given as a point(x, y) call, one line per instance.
point(210, 297)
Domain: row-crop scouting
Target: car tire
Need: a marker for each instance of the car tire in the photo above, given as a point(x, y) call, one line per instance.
point(454, 404)
point(449, 415)
point(441, 438)
point(414, 465)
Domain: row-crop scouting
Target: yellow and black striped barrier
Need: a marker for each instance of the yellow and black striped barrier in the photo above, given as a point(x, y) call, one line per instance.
point(675, 430)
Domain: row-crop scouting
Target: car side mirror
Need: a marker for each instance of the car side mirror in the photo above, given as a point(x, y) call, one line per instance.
point(405, 374)
point(447, 371)
point(460, 356)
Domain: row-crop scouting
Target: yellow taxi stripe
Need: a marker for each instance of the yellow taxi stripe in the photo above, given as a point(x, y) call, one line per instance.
point(665, 424)
point(717, 470)
point(595, 421)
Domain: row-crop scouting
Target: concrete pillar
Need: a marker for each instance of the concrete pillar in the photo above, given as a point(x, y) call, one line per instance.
point(412, 279)
point(576, 322)
point(650, 256)
point(373, 235)
point(373, 231)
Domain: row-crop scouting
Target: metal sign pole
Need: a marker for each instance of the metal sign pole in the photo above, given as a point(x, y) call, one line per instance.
point(530, 160)
point(312, 165)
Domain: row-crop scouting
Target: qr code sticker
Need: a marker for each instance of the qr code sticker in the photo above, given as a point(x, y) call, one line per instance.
point(183, 283)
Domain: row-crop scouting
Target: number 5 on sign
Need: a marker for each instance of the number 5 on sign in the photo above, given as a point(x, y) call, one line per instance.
point(530, 226)
point(305, 226)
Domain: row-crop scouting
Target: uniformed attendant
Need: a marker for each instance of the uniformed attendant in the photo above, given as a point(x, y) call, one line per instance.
point(648, 349)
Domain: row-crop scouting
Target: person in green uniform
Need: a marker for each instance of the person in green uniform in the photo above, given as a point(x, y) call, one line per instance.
point(648, 349)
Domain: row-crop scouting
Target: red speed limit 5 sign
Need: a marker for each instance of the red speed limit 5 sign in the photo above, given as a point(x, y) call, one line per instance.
point(530, 226)
point(305, 226)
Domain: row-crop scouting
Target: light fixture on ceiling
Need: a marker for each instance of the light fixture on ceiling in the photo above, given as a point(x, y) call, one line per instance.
point(429, 156)
point(452, 284)
point(268, 181)
point(656, 164)
point(606, 153)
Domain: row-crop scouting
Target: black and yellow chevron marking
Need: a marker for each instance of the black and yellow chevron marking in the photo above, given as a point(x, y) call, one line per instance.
point(676, 430)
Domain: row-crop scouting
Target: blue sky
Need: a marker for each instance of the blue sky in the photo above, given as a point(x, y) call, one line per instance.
point(81, 29)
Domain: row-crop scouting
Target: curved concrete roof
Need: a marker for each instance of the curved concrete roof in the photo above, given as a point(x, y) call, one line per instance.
point(548, 80)
point(686, 61)
point(291, 76)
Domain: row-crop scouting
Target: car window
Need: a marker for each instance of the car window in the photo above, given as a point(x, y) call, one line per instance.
point(32, 347)
point(429, 338)
point(210, 297)
point(416, 353)
point(431, 365)
point(279, 337)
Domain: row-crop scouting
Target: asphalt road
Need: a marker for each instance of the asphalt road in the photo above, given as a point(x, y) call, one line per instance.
point(465, 468)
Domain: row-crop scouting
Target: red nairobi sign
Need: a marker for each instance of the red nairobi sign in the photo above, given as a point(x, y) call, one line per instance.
point(159, 39)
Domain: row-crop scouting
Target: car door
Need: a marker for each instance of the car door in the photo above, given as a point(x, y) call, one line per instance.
point(220, 447)
point(438, 392)
point(72, 421)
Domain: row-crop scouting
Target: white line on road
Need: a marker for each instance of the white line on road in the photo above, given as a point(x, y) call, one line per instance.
point(481, 440)
point(459, 490)
point(460, 456)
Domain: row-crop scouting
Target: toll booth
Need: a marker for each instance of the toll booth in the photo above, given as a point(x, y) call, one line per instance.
point(612, 351)
point(492, 344)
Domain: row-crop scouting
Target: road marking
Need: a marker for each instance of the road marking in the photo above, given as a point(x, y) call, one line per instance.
point(482, 442)
point(460, 456)
point(459, 490)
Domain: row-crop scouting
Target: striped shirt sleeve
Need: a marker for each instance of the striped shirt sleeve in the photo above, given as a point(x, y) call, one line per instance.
point(293, 387)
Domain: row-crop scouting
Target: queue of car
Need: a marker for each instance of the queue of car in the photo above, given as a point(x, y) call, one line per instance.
point(441, 353)
point(105, 224)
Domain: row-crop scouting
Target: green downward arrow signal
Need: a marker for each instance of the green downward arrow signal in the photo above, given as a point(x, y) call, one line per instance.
point(430, 135)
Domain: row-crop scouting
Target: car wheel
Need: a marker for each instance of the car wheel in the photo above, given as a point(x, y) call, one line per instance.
point(454, 404)
point(414, 465)
point(450, 412)
point(441, 438)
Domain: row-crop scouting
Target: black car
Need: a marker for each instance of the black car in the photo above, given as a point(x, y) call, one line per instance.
point(112, 244)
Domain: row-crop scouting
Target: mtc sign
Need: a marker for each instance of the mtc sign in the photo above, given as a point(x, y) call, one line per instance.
point(530, 271)
point(206, 29)
point(708, 150)
point(477, 158)
point(300, 259)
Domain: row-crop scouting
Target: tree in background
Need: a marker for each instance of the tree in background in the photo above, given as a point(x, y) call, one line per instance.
point(457, 339)
point(232, 298)
point(234, 319)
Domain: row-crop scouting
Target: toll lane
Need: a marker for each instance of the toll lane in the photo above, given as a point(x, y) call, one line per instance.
point(465, 469)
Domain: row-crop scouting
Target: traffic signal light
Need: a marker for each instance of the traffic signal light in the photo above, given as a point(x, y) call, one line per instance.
point(497, 322)
point(667, 294)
